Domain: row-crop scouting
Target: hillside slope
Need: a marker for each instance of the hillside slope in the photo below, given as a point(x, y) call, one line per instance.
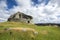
point(24, 31)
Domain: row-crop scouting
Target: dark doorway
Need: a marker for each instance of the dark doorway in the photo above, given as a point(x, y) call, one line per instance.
point(9, 19)
point(28, 21)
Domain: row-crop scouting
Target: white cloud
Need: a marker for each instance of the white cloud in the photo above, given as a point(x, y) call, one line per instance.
point(3, 11)
point(41, 14)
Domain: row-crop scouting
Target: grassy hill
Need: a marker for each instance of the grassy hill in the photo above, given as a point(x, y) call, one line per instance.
point(42, 32)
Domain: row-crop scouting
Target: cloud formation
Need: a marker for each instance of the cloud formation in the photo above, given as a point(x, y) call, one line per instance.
point(41, 13)
point(3, 11)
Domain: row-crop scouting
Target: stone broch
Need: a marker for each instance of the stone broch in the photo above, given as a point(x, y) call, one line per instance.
point(20, 17)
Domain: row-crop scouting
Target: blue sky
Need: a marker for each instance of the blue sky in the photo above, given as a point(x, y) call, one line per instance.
point(43, 11)
point(11, 3)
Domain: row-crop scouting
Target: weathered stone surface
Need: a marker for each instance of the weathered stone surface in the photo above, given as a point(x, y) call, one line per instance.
point(20, 17)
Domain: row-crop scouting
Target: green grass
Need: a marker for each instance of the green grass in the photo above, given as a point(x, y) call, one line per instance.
point(44, 32)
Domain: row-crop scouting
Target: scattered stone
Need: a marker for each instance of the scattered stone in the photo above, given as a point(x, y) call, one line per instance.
point(6, 29)
point(35, 33)
point(24, 30)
